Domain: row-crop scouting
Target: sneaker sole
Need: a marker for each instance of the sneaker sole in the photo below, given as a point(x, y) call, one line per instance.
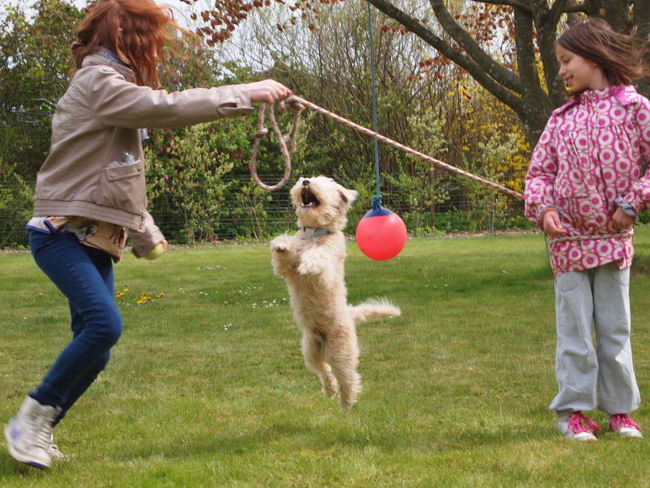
point(630, 435)
point(20, 457)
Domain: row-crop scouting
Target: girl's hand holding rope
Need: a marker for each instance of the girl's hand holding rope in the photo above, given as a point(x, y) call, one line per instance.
point(267, 91)
point(552, 226)
point(622, 221)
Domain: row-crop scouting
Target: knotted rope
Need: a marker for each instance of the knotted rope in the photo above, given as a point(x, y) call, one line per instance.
point(296, 101)
point(287, 143)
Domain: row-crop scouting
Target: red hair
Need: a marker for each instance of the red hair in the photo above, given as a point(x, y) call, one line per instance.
point(134, 30)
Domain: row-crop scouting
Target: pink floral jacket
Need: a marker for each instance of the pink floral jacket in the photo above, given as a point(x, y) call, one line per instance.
point(589, 157)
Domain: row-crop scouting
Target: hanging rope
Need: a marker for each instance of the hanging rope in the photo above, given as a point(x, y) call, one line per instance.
point(287, 143)
point(377, 200)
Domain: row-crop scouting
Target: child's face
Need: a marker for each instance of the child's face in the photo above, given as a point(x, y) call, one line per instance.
point(579, 73)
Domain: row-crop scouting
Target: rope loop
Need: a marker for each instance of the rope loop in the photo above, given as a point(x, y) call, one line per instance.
point(287, 142)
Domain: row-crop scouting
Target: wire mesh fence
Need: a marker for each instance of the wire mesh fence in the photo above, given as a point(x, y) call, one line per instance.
point(272, 215)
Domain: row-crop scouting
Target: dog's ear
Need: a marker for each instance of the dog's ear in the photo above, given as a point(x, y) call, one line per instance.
point(348, 196)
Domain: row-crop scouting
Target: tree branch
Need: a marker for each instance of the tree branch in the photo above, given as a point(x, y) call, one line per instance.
point(508, 3)
point(558, 8)
point(499, 91)
point(575, 7)
point(471, 47)
point(546, 20)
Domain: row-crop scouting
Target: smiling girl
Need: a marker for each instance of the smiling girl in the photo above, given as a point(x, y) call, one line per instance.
point(584, 188)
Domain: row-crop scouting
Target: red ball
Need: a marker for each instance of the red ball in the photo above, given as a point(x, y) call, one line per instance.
point(381, 234)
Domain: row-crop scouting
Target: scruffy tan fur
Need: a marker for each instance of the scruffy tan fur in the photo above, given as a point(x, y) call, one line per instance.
point(311, 263)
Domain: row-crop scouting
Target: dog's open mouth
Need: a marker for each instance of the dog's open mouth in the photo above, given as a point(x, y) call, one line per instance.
point(308, 198)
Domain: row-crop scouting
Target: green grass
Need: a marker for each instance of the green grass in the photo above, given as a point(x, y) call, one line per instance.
point(207, 386)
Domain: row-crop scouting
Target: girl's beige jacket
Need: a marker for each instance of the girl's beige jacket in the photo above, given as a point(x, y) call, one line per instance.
point(95, 167)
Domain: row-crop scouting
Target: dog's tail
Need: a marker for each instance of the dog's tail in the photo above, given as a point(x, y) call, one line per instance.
point(374, 308)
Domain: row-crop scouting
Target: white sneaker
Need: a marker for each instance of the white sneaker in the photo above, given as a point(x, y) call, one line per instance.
point(28, 434)
point(577, 426)
point(624, 426)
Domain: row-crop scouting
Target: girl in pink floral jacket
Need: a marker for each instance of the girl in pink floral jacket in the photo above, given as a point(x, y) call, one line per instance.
point(584, 188)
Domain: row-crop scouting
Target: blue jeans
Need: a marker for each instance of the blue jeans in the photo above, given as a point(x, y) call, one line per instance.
point(85, 276)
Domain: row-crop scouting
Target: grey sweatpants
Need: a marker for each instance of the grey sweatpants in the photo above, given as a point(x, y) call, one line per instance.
point(587, 303)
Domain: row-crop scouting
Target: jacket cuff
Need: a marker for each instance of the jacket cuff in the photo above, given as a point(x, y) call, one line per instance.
point(237, 101)
point(145, 240)
point(627, 207)
point(634, 200)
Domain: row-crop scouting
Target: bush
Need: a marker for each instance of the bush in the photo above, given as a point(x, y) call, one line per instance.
point(15, 207)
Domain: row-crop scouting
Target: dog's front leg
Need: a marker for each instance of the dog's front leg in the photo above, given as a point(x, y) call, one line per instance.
point(316, 261)
point(283, 258)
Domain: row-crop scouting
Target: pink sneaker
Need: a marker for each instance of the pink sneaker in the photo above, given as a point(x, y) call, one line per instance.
point(577, 426)
point(623, 425)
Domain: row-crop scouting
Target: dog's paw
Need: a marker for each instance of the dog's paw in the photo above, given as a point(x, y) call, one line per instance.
point(348, 402)
point(349, 391)
point(281, 244)
point(330, 386)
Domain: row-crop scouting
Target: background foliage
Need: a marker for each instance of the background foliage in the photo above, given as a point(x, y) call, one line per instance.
point(199, 185)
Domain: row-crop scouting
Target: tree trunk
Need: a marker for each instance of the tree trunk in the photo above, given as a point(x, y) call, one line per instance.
point(642, 22)
point(536, 104)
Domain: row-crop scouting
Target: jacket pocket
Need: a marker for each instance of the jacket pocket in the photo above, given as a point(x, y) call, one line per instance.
point(122, 187)
point(118, 171)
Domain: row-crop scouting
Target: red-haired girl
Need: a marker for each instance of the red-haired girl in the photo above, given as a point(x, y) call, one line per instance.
point(90, 193)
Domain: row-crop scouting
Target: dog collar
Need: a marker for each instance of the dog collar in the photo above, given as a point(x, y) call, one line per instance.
point(316, 231)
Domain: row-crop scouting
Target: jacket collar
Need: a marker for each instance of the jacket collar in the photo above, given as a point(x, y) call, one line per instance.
point(624, 94)
point(99, 60)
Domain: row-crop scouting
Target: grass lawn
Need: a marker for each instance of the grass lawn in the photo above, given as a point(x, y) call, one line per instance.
point(207, 386)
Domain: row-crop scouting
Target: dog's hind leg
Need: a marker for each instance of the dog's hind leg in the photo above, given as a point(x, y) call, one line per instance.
point(343, 355)
point(313, 348)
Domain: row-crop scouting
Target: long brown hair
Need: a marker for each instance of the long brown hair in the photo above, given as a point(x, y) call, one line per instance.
point(620, 56)
point(134, 30)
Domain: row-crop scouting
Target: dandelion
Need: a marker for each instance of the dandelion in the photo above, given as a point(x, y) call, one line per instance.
point(143, 298)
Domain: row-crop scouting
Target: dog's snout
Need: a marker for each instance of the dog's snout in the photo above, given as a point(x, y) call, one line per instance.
point(305, 182)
